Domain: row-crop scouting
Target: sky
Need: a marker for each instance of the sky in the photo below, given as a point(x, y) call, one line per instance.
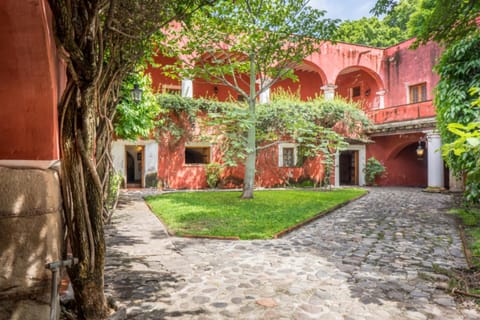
point(344, 9)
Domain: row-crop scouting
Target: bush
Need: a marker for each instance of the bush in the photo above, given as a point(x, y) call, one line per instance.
point(213, 174)
point(373, 170)
point(151, 180)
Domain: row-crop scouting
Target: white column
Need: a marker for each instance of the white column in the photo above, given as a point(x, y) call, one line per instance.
point(187, 88)
point(435, 161)
point(381, 99)
point(329, 91)
point(265, 96)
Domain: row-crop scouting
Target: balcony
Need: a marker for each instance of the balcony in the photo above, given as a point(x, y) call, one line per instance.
point(401, 113)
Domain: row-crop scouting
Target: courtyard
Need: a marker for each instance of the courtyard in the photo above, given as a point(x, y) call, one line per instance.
point(375, 258)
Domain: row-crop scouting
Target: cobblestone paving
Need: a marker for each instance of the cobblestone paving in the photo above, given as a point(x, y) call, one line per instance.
point(372, 259)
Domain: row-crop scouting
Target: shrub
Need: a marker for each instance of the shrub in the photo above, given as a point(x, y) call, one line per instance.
point(213, 174)
point(373, 170)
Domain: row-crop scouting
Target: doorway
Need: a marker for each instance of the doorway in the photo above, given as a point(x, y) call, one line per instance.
point(134, 166)
point(348, 167)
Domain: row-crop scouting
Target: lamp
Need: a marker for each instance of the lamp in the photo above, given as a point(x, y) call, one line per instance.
point(136, 93)
point(420, 148)
point(215, 90)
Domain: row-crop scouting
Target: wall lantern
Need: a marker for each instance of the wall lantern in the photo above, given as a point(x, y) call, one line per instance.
point(420, 148)
point(215, 90)
point(136, 93)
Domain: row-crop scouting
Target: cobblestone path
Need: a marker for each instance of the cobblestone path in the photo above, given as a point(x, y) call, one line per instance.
point(372, 259)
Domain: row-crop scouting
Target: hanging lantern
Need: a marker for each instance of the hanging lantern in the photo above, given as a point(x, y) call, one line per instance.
point(136, 93)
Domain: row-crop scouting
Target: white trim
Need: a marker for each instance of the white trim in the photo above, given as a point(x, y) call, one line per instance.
point(283, 145)
point(361, 148)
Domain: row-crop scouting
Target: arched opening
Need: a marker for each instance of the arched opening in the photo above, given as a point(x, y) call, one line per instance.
point(307, 86)
point(359, 84)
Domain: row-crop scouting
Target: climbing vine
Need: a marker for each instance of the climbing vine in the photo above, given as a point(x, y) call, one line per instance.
point(316, 126)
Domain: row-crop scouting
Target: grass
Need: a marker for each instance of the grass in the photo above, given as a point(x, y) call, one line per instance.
point(224, 214)
point(471, 221)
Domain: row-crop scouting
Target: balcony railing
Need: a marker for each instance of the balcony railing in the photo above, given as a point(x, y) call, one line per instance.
point(404, 112)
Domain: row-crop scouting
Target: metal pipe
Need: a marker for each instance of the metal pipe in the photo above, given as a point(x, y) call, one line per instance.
point(55, 267)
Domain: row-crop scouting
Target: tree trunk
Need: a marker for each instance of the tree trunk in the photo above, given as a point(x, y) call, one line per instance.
point(249, 178)
point(83, 200)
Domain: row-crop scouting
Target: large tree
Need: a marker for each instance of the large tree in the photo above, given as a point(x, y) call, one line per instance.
point(443, 21)
point(248, 45)
point(100, 41)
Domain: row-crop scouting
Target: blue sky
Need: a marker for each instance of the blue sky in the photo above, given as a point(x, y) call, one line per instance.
point(344, 9)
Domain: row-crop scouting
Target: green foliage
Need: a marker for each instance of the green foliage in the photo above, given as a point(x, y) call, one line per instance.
point(137, 120)
point(459, 70)
point(379, 32)
point(373, 169)
point(223, 214)
point(309, 124)
point(470, 218)
point(115, 182)
point(443, 21)
point(369, 31)
point(214, 171)
point(217, 42)
point(464, 152)
point(245, 42)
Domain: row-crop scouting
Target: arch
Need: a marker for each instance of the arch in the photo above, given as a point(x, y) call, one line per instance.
point(395, 151)
point(307, 65)
point(359, 84)
point(310, 80)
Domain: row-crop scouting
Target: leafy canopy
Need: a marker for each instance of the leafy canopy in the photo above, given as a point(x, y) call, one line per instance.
point(443, 21)
point(217, 42)
point(459, 70)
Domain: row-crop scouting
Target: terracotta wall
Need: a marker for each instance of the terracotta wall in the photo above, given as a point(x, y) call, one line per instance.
point(405, 67)
point(368, 88)
point(32, 79)
point(174, 173)
point(397, 154)
point(308, 85)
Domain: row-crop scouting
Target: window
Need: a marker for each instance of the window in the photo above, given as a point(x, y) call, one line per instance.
point(356, 92)
point(197, 154)
point(418, 93)
point(287, 155)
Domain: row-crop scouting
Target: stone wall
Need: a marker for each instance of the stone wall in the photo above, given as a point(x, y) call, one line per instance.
point(31, 235)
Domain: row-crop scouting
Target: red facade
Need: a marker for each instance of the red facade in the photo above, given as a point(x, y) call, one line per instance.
point(393, 85)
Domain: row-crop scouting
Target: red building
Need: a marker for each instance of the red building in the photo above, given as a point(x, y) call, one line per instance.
point(393, 85)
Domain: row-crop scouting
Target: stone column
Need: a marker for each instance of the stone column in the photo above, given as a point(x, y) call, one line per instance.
point(381, 99)
point(435, 161)
point(329, 91)
point(187, 88)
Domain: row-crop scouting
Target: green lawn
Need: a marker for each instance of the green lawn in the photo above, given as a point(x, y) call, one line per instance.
point(224, 214)
point(471, 223)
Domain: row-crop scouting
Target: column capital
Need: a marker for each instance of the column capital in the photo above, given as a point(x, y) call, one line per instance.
point(329, 91)
point(328, 86)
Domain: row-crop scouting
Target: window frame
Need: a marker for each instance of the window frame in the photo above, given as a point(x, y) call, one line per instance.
point(198, 146)
point(287, 145)
point(352, 92)
point(421, 92)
